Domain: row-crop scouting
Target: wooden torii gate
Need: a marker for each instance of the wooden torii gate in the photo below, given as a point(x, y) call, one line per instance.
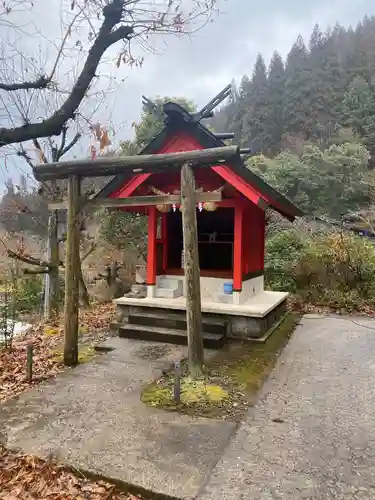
point(74, 171)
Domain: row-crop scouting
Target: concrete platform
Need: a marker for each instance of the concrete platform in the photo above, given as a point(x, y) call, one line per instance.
point(92, 418)
point(256, 307)
point(246, 321)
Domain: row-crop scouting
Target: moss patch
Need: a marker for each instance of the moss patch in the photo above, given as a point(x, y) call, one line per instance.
point(49, 330)
point(231, 382)
point(57, 357)
point(82, 330)
point(85, 354)
point(197, 391)
point(193, 392)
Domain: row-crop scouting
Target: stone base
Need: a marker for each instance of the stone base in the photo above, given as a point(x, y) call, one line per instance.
point(238, 326)
point(244, 327)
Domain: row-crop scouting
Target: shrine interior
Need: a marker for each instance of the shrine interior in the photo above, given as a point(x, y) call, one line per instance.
point(215, 239)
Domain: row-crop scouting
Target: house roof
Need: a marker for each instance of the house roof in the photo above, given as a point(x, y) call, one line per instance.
point(178, 119)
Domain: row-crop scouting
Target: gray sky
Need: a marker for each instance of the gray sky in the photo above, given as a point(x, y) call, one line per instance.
point(199, 67)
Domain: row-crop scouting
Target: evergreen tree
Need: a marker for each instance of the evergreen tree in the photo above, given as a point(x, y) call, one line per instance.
point(236, 110)
point(297, 90)
point(367, 45)
point(358, 111)
point(318, 92)
point(359, 44)
point(230, 117)
point(325, 85)
point(150, 124)
point(317, 39)
point(276, 95)
point(311, 87)
point(245, 89)
point(244, 103)
point(335, 69)
point(224, 118)
point(256, 116)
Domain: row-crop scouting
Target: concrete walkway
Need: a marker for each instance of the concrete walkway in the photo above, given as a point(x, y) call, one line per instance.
point(312, 434)
point(92, 418)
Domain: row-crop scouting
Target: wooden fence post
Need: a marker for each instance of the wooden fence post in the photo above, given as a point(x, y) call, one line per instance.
point(192, 272)
point(177, 383)
point(72, 262)
point(29, 362)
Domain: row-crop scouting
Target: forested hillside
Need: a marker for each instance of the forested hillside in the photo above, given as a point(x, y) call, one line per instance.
point(310, 120)
point(325, 84)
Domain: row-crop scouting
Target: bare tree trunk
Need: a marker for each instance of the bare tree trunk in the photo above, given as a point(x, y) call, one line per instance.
point(71, 306)
point(192, 274)
point(54, 287)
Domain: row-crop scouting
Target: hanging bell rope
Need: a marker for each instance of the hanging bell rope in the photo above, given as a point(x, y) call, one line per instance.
point(209, 206)
point(161, 208)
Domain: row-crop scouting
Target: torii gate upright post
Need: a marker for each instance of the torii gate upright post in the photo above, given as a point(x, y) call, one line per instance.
point(71, 304)
point(192, 273)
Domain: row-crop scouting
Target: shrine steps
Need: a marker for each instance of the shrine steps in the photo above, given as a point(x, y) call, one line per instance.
point(169, 288)
point(171, 329)
point(176, 321)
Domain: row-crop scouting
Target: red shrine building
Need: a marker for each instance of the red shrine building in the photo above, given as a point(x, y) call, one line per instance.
point(231, 235)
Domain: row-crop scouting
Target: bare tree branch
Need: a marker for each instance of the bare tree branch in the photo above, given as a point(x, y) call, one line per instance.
point(22, 153)
point(28, 259)
point(57, 152)
point(89, 251)
point(40, 149)
point(104, 23)
point(54, 124)
point(41, 83)
point(69, 146)
point(36, 271)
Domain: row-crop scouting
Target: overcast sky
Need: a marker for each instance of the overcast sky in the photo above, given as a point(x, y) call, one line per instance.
point(199, 67)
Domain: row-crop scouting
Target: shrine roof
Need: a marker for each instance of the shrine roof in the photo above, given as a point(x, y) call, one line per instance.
point(178, 119)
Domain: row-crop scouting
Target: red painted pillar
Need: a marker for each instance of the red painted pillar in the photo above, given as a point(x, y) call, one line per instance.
point(151, 250)
point(164, 236)
point(237, 248)
point(246, 244)
point(262, 236)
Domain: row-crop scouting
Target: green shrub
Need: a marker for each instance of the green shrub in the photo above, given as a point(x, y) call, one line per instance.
point(335, 269)
point(283, 251)
point(29, 293)
point(125, 230)
point(8, 312)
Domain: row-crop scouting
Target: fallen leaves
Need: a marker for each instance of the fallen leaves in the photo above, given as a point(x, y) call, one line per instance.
point(296, 303)
point(47, 341)
point(25, 477)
